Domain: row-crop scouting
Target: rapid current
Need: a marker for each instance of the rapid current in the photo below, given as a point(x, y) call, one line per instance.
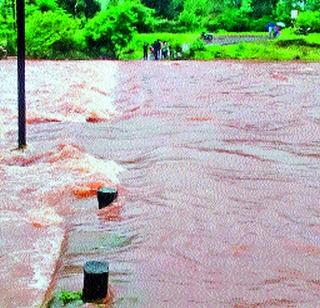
point(217, 168)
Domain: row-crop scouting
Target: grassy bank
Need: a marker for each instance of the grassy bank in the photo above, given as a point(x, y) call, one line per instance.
point(288, 46)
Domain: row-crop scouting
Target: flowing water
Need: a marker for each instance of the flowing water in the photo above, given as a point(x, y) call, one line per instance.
point(217, 166)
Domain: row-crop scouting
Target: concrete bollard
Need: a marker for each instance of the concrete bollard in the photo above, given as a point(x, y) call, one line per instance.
point(106, 196)
point(95, 285)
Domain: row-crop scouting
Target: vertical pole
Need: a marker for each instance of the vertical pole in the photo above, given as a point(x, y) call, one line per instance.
point(21, 75)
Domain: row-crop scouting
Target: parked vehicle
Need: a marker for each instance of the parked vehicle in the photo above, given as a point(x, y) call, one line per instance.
point(303, 30)
point(207, 37)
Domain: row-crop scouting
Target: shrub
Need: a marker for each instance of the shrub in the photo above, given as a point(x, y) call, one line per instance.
point(7, 35)
point(53, 35)
point(144, 17)
point(231, 19)
point(309, 19)
point(188, 21)
point(68, 296)
point(197, 45)
point(259, 24)
point(46, 5)
point(111, 30)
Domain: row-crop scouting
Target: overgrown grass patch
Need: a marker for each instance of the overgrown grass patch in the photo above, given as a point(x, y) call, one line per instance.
point(70, 296)
point(287, 47)
point(268, 51)
point(65, 297)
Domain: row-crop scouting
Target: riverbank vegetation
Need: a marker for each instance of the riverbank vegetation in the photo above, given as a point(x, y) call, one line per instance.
point(117, 29)
point(289, 46)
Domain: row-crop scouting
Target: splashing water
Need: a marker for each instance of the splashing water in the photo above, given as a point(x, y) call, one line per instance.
point(222, 188)
point(77, 93)
point(40, 184)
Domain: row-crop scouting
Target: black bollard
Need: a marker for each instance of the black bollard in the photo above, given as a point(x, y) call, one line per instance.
point(106, 196)
point(95, 285)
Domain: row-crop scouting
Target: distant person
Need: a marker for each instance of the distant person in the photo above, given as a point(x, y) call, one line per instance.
point(158, 43)
point(165, 50)
point(160, 50)
point(157, 47)
point(151, 49)
point(276, 31)
point(145, 50)
point(271, 31)
point(154, 49)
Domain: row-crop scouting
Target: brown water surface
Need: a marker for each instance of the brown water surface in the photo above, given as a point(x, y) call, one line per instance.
point(219, 197)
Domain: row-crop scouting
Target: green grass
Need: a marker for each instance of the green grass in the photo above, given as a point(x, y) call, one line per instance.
point(65, 297)
point(69, 296)
point(288, 46)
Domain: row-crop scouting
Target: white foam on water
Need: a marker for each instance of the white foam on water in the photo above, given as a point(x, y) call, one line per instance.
point(45, 253)
point(36, 186)
point(44, 216)
point(93, 165)
point(86, 89)
point(36, 193)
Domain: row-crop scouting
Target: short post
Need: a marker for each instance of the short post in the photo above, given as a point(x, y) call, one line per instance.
point(95, 286)
point(106, 196)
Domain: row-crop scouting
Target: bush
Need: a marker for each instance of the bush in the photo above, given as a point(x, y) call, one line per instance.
point(197, 45)
point(111, 30)
point(70, 296)
point(309, 20)
point(46, 5)
point(188, 21)
point(259, 24)
point(7, 35)
point(144, 17)
point(231, 20)
point(53, 35)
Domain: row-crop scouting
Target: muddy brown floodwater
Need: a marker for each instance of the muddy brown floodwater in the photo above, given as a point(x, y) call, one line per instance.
point(217, 166)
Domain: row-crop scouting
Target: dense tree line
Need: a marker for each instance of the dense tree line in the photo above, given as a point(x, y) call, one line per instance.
point(102, 28)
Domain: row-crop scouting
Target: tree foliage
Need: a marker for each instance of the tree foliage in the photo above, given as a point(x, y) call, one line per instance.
point(309, 20)
point(112, 29)
point(58, 41)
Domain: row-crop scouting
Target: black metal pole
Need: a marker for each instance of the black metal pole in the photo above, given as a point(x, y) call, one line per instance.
point(21, 74)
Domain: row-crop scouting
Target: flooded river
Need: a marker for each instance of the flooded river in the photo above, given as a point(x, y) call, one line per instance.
point(217, 166)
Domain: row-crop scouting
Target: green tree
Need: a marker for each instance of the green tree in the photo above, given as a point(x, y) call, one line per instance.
point(195, 14)
point(161, 7)
point(174, 9)
point(53, 35)
point(312, 5)
point(309, 19)
point(112, 29)
point(86, 8)
point(7, 26)
point(262, 8)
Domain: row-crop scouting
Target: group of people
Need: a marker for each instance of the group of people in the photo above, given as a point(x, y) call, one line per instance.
point(274, 31)
point(158, 50)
